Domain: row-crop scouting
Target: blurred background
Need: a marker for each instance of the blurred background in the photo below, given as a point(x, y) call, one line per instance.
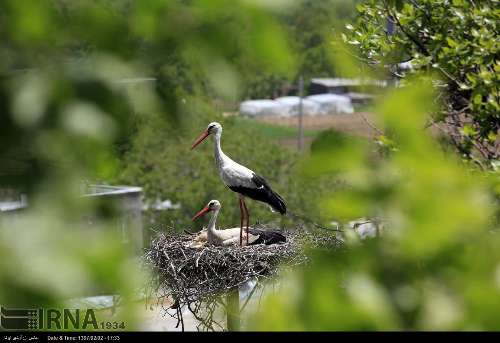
point(351, 109)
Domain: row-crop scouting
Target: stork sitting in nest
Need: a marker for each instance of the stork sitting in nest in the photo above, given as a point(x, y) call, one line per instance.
point(231, 236)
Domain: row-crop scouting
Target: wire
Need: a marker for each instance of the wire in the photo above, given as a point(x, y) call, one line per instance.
point(312, 222)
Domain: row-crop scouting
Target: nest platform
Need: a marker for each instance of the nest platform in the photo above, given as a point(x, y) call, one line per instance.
point(190, 276)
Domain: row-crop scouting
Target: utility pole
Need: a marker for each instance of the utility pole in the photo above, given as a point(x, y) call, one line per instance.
point(301, 130)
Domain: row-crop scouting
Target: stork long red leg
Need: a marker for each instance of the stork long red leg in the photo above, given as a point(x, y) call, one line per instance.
point(247, 216)
point(241, 221)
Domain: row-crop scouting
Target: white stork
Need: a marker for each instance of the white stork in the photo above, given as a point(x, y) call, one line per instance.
point(240, 179)
point(231, 236)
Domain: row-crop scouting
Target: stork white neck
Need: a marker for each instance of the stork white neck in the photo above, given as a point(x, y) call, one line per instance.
point(219, 154)
point(231, 173)
point(211, 230)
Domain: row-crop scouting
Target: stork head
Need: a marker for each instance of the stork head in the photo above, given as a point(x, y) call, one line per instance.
point(212, 128)
point(213, 205)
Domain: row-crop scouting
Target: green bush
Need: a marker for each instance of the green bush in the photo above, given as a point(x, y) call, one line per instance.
point(457, 40)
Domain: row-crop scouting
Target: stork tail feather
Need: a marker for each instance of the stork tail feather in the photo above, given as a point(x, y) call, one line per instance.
point(267, 237)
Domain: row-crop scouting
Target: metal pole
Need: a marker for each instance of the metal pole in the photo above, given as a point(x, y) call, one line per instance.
point(233, 309)
point(301, 131)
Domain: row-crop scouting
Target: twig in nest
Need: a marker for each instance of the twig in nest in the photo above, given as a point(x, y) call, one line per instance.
point(198, 259)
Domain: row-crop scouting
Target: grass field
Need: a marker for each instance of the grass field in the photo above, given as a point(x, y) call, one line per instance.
point(275, 130)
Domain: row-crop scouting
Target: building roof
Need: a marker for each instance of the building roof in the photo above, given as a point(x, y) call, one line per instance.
point(100, 190)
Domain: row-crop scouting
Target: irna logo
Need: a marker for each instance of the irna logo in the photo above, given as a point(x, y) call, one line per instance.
point(51, 319)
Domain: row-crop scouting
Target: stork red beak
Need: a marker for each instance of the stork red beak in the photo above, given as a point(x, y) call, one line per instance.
point(202, 212)
point(200, 139)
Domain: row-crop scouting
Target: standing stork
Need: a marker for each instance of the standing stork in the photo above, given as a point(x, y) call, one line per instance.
point(241, 180)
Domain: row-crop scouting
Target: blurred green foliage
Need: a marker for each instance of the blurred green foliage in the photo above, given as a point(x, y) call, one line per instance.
point(309, 25)
point(436, 265)
point(58, 56)
point(77, 79)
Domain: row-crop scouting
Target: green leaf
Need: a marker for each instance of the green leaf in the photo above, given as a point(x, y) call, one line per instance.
point(468, 131)
point(478, 99)
point(451, 42)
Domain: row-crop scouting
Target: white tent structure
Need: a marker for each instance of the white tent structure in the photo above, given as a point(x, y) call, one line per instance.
point(292, 104)
point(332, 103)
point(257, 108)
point(288, 106)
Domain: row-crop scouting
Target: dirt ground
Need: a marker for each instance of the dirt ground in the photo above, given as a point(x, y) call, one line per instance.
point(360, 124)
point(354, 123)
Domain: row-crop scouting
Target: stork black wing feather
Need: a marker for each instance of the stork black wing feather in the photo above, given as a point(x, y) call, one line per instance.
point(262, 192)
point(274, 199)
point(259, 181)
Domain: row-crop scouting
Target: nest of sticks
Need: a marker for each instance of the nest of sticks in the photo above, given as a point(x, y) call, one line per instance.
point(190, 277)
